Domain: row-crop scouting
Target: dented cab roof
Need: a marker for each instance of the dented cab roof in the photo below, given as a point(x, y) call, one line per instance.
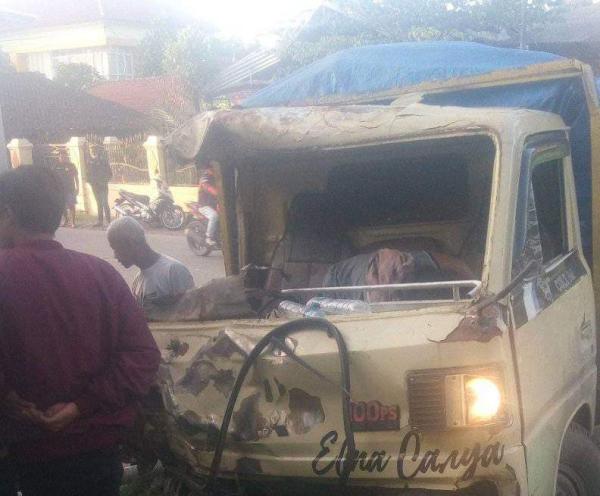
point(228, 135)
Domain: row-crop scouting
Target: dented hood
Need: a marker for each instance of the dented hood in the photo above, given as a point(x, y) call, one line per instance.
point(229, 133)
point(284, 411)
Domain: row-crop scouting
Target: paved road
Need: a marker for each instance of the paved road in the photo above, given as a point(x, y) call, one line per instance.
point(173, 244)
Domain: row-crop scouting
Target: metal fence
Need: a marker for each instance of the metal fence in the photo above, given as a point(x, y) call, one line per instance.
point(128, 161)
point(46, 155)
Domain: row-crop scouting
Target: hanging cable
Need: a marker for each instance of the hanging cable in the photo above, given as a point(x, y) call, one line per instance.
point(278, 335)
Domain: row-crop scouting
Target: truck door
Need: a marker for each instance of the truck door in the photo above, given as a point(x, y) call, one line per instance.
point(552, 311)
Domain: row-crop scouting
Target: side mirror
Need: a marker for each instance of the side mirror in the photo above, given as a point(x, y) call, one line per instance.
point(532, 269)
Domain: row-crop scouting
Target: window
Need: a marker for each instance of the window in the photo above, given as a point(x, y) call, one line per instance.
point(120, 63)
point(540, 226)
point(548, 192)
point(40, 62)
point(92, 57)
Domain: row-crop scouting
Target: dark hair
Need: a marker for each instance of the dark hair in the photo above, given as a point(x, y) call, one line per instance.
point(36, 197)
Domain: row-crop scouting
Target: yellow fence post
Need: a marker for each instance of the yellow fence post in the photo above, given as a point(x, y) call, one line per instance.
point(156, 156)
point(77, 148)
point(21, 152)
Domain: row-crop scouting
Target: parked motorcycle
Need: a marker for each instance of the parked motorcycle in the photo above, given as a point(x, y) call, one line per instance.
point(160, 211)
point(195, 232)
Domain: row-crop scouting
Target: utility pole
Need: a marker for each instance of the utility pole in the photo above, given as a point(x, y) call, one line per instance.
point(4, 165)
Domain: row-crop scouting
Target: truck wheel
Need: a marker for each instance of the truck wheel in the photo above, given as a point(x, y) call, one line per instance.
point(579, 466)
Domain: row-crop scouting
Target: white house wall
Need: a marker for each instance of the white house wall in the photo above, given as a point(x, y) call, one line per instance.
point(106, 46)
point(57, 38)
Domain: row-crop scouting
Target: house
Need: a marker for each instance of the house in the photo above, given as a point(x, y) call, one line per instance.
point(42, 111)
point(40, 35)
point(246, 76)
point(147, 95)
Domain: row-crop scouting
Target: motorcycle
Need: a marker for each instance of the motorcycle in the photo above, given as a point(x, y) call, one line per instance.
point(195, 232)
point(158, 211)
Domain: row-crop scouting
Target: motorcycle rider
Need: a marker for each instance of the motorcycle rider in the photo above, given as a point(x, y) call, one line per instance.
point(207, 197)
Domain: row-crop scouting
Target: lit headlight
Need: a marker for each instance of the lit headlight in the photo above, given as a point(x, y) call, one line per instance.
point(474, 399)
point(483, 400)
point(441, 399)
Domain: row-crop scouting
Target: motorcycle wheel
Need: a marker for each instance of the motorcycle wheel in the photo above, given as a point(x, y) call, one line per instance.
point(126, 208)
point(195, 235)
point(173, 217)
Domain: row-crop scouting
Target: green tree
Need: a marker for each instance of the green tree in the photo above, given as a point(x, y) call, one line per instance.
point(197, 56)
point(405, 19)
point(195, 53)
point(161, 34)
point(77, 76)
point(359, 22)
point(516, 19)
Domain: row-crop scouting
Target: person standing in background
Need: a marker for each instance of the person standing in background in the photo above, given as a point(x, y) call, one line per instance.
point(76, 353)
point(67, 173)
point(99, 175)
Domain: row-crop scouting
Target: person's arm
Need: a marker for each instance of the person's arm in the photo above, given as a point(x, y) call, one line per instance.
point(11, 404)
point(453, 265)
point(211, 189)
point(133, 363)
point(181, 279)
point(75, 179)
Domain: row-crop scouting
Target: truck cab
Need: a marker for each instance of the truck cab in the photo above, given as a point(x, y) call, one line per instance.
point(469, 334)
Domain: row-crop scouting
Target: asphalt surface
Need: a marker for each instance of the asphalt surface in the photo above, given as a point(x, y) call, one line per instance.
point(94, 241)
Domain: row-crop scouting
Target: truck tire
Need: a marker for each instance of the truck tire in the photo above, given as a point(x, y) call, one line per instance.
point(579, 466)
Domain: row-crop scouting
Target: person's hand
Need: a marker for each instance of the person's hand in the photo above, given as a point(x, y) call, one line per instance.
point(59, 416)
point(19, 409)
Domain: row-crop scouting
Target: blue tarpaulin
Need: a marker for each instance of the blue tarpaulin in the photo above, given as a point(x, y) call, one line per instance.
point(565, 97)
point(375, 68)
point(371, 69)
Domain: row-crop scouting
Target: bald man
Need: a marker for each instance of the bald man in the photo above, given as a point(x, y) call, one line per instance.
point(161, 278)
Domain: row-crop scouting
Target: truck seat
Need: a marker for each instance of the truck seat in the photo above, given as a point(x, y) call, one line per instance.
point(314, 239)
point(451, 267)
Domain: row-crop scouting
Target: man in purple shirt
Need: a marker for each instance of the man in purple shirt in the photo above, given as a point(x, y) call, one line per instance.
point(75, 349)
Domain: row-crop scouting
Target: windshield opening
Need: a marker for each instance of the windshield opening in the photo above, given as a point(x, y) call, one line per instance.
point(386, 225)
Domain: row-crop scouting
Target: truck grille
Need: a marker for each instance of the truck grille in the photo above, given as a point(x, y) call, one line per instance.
point(427, 400)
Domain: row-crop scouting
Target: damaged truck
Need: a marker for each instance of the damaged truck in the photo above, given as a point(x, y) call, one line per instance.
point(410, 238)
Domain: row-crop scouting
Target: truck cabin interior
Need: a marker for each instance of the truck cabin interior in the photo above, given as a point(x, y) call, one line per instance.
point(391, 213)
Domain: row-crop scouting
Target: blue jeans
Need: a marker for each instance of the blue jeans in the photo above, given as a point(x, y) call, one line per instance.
point(213, 221)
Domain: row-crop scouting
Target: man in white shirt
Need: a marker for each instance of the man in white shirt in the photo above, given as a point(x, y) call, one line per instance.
point(161, 278)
